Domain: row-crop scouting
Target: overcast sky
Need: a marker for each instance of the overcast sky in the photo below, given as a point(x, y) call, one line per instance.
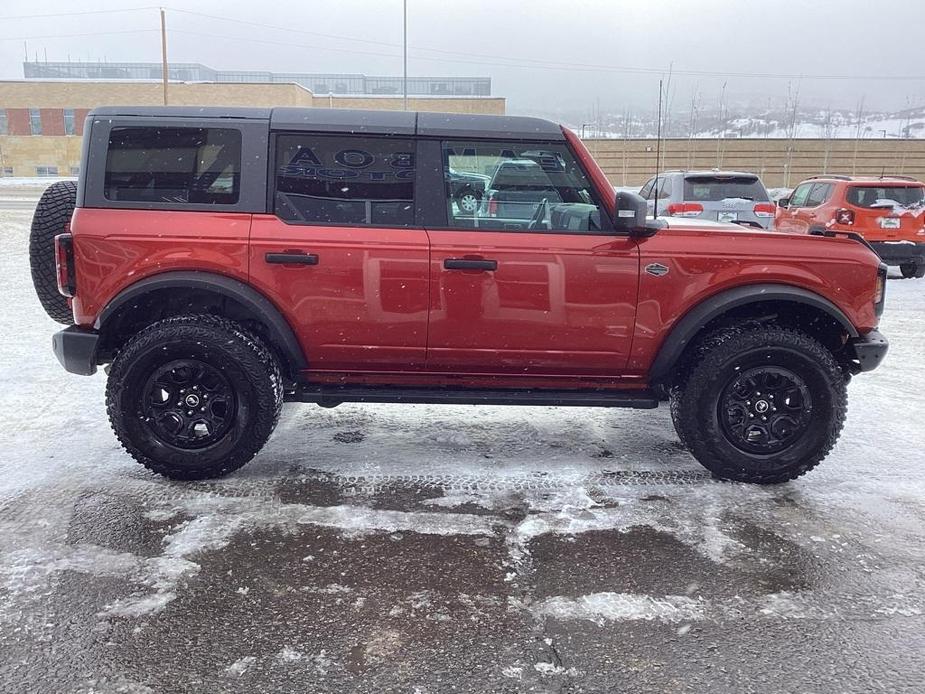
point(544, 55)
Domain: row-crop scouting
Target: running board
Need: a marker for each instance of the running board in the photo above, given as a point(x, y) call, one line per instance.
point(333, 395)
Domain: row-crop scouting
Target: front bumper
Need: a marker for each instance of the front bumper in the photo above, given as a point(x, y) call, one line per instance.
point(75, 348)
point(900, 253)
point(867, 351)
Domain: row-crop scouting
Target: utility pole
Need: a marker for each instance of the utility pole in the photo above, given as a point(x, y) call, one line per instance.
point(164, 52)
point(404, 42)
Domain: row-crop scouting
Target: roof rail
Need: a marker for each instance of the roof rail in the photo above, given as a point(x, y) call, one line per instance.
point(901, 178)
point(837, 177)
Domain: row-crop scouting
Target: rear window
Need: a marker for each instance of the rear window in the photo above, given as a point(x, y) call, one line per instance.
point(885, 196)
point(174, 165)
point(716, 188)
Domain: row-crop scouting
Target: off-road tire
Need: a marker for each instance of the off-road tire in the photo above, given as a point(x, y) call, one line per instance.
point(249, 368)
point(912, 270)
point(51, 217)
point(713, 366)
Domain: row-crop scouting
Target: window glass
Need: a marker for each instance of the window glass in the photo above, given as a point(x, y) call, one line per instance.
point(885, 196)
point(717, 188)
point(46, 170)
point(646, 190)
point(345, 180)
point(4, 126)
point(174, 165)
point(818, 194)
point(518, 186)
point(664, 187)
point(69, 121)
point(35, 121)
point(798, 197)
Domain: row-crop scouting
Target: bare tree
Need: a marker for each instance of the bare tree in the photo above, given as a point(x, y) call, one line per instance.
point(692, 126)
point(857, 136)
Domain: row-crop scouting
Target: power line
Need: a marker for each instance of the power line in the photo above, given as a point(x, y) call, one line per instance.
point(75, 14)
point(64, 36)
point(531, 63)
point(465, 59)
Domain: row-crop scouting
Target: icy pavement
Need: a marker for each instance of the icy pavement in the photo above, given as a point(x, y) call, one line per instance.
point(434, 549)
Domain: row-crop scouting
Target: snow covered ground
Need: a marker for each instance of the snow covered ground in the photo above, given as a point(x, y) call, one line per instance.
point(430, 549)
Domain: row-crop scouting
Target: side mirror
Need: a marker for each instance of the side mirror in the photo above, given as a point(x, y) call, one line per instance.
point(631, 216)
point(783, 202)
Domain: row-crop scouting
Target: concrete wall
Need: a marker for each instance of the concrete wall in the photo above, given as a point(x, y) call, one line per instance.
point(780, 163)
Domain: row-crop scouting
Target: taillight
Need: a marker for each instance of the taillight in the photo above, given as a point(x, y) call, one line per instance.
point(684, 209)
point(764, 209)
point(64, 264)
point(843, 216)
point(880, 290)
point(492, 207)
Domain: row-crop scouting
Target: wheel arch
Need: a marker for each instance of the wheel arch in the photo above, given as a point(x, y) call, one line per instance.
point(177, 292)
point(750, 302)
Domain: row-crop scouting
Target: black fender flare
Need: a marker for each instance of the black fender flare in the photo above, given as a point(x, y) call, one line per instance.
point(278, 328)
point(686, 329)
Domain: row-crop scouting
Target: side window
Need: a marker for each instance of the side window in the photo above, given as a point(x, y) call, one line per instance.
point(173, 165)
point(646, 190)
point(323, 179)
point(518, 186)
point(664, 188)
point(798, 197)
point(818, 194)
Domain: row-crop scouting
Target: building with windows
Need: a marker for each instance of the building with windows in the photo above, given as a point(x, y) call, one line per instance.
point(316, 82)
point(42, 120)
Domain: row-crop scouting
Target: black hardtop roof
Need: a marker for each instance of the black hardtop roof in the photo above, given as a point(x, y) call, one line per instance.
point(343, 120)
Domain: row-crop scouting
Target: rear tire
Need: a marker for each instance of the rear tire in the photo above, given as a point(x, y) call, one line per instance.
point(194, 397)
point(912, 270)
point(51, 217)
point(760, 404)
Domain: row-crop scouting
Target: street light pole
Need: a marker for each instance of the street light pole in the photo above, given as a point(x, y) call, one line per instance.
point(164, 53)
point(404, 42)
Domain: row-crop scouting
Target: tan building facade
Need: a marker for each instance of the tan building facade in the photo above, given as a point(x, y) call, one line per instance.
point(41, 121)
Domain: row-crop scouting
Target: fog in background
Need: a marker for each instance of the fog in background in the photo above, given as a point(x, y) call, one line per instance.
point(548, 57)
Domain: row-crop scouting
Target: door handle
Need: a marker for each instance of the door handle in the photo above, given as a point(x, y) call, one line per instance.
point(469, 264)
point(292, 258)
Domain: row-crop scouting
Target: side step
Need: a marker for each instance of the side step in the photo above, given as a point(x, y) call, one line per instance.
point(333, 395)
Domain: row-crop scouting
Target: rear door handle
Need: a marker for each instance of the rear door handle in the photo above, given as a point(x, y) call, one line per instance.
point(469, 264)
point(292, 258)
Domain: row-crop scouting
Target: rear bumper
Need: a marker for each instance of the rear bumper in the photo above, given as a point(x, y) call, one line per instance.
point(75, 348)
point(867, 351)
point(900, 253)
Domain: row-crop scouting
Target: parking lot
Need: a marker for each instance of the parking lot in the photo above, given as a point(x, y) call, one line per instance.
point(441, 548)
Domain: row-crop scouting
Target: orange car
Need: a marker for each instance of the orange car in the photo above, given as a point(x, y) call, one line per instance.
point(889, 212)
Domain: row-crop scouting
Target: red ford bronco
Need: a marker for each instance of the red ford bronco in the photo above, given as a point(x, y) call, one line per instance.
point(223, 261)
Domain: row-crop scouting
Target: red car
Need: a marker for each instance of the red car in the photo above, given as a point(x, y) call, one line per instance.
point(888, 211)
point(224, 261)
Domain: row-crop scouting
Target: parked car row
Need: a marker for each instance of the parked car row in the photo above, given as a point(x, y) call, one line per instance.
point(887, 211)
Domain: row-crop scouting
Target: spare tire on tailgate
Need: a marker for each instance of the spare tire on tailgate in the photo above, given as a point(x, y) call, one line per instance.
point(50, 219)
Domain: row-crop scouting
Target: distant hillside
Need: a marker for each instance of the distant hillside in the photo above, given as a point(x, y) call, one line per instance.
point(834, 124)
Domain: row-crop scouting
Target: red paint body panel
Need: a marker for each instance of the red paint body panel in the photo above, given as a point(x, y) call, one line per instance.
point(558, 304)
point(566, 310)
point(705, 260)
point(113, 249)
point(363, 306)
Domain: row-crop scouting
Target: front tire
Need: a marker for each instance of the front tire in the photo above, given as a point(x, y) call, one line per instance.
point(912, 270)
point(760, 404)
point(194, 397)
